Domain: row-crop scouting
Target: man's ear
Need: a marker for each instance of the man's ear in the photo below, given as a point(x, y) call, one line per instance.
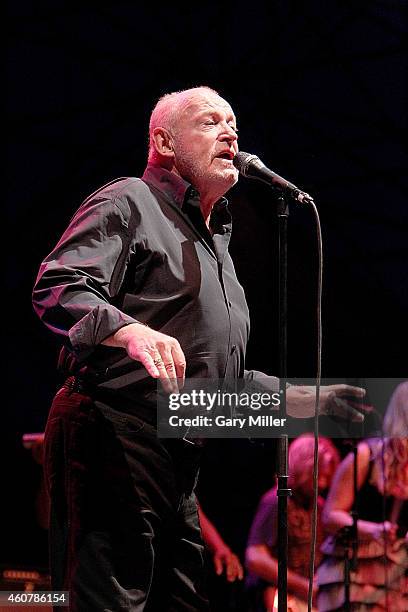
point(163, 142)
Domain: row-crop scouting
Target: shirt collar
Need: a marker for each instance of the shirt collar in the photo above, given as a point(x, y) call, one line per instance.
point(180, 191)
point(172, 186)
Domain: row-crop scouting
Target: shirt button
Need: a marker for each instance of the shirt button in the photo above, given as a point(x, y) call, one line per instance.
point(233, 349)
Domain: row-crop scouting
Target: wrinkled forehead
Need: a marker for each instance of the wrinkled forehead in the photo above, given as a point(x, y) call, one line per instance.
point(199, 103)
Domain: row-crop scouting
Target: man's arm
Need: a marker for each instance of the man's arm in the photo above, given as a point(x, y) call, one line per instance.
point(334, 400)
point(262, 563)
point(223, 557)
point(79, 281)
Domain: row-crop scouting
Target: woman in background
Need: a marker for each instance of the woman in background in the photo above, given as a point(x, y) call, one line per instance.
point(379, 582)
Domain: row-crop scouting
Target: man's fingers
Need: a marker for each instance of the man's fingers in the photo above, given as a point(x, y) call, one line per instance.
point(236, 570)
point(164, 363)
point(366, 408)
point(180, 364)
point(155, 367)
point(344, 409)
point(160, 354)
point(147, 361)
point(167, 357)
point(231, 573)
point(218, 565)
point(347, 408)
point(344, 390)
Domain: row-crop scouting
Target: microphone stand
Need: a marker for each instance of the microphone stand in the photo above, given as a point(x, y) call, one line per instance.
point(283, 491)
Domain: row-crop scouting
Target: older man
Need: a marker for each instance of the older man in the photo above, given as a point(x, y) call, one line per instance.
point(141, 286)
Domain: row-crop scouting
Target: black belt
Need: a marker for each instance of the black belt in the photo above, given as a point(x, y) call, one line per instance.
point(75, 384)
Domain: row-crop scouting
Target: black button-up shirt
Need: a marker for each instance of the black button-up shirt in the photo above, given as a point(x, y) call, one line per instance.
point(139, 250)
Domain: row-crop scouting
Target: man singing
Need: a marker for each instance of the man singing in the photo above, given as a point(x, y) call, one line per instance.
point(141, 287)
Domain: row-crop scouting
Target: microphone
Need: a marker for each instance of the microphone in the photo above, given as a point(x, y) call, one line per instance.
point(252, 167)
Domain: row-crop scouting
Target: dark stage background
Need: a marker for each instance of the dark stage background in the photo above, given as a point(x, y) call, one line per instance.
point(320, 92)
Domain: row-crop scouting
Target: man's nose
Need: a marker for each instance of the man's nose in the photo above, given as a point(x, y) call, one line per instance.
point(228, 134)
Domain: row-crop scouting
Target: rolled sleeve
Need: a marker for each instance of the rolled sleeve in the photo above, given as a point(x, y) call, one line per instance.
point(260, 380)
point(95, 327)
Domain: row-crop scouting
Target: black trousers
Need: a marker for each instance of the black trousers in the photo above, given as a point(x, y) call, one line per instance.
point(124, 530)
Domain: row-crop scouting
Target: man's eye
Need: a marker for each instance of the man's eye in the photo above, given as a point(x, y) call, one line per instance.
point(210, 122)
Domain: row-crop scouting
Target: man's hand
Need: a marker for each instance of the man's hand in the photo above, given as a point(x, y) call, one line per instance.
point(224, 558)
point(160, 354)
point(334, 400)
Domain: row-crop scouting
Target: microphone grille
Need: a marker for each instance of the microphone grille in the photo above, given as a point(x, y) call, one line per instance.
point(241, 161)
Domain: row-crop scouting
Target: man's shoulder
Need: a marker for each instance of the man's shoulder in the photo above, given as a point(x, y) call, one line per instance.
point(126, 196)
point(264, 520)
point(119, 187)
point(269, 498)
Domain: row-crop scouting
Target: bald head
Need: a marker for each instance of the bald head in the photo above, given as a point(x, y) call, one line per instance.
point(169, 109)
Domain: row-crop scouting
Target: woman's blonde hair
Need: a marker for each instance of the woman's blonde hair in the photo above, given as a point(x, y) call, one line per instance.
point(391, 456)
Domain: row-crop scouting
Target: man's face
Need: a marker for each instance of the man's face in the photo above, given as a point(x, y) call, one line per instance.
point(205, 143)
point(303, 483)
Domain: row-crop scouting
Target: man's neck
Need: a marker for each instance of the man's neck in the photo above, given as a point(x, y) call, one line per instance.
point(208, 197)
point(206, 205)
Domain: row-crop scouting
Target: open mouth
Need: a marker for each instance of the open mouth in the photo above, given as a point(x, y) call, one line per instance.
point(228, 155)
